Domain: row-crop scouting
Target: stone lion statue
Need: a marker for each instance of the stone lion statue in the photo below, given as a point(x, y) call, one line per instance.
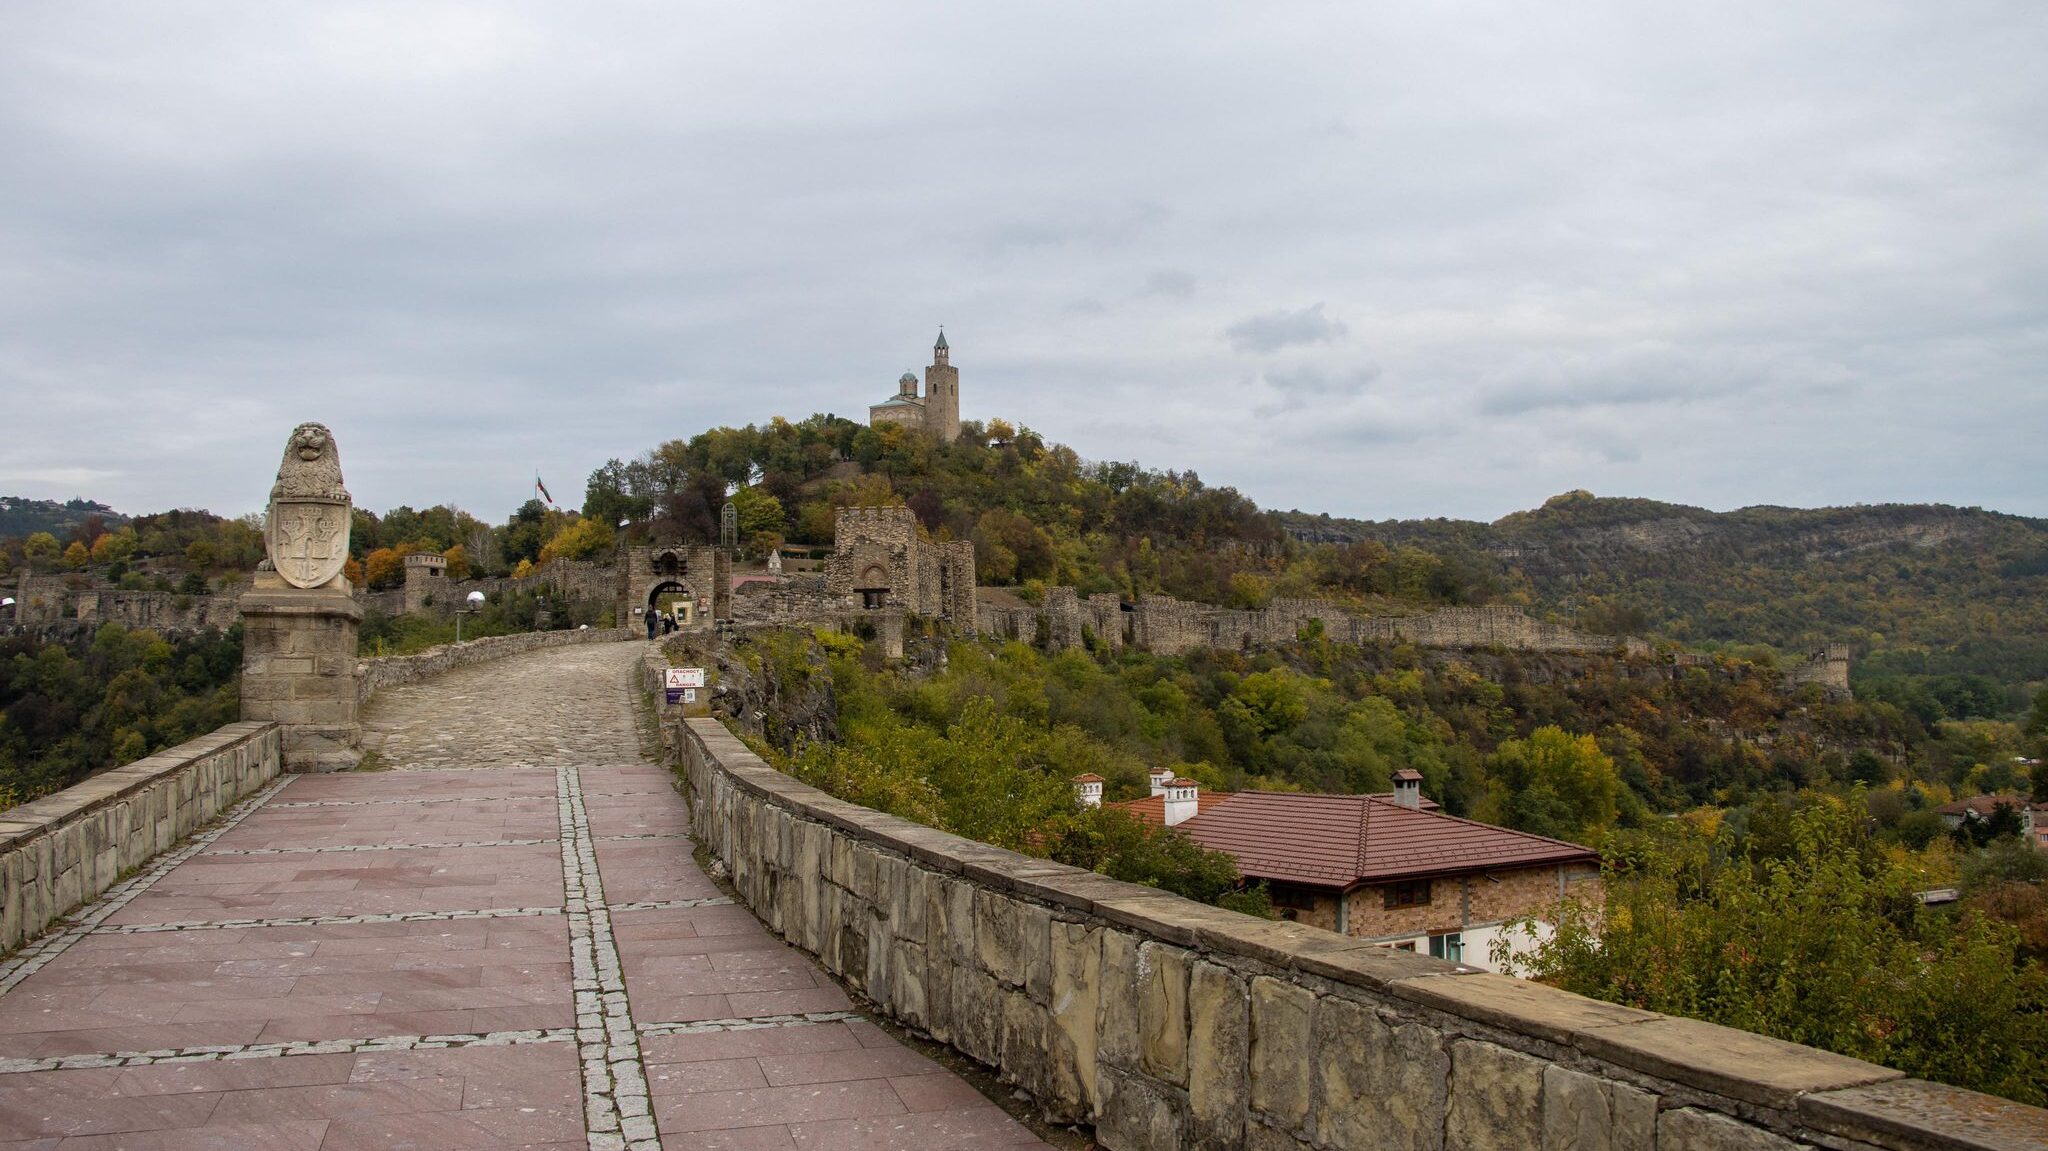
point(312, 467)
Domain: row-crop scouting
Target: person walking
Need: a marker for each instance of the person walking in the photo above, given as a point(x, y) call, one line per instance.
point(650, 623)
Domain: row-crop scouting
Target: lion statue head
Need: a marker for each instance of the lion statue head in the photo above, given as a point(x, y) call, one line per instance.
point(311, 467)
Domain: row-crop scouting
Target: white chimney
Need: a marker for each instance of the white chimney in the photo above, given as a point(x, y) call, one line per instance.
point(1160, 778)
point(1408, 788)
point(1088, 790)
point(1181, 804)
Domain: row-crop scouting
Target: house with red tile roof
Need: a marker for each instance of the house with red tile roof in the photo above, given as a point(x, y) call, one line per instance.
point(2033, 816)
point(1391, 868)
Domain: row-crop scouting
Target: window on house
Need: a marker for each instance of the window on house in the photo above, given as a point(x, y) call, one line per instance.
point(1410, 893)
point(1450, 945)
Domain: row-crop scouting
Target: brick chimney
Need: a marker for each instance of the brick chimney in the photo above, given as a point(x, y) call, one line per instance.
point(1181, 803)
point(1160, 778)
point(1088, 790)
point(1408, 788)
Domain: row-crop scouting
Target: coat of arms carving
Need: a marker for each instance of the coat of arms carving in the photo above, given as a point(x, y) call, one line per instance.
point(306, 529)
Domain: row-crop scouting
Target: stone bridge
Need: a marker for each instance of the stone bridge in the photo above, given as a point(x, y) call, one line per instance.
point(501, 941)
point(500, 938)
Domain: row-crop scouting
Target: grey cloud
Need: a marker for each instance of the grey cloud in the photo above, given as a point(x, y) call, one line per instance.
point(540, 238)
point(1272, 331)
point(1170, 283)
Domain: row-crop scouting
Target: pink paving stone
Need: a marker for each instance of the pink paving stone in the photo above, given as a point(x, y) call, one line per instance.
point(292, 1135)
point(940, 1091)
point(746, 1044)
point(720, 1110)
point(986, 1126)
point(840, 1066)
point(669, 1079)
point(774, 1138)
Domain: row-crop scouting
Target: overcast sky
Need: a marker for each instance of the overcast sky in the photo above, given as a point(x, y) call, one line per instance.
point(1379, 260)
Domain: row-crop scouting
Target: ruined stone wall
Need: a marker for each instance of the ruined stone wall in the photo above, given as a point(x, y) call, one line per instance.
point(373, 675)
point(157, 610)
point(799, 600)
point(63, 849)
point(1828, 667)
point(40, 598)
point(1169, 626)
point(958, 583)
point(1170, 1024)
point(1106, 614)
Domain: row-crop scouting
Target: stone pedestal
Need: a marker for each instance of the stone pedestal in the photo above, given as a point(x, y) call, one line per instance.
point(299, 670)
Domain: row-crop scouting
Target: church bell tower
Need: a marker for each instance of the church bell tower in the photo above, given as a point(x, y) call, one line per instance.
point(942, 394)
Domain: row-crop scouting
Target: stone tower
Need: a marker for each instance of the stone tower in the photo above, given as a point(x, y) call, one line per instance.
point(942, 394)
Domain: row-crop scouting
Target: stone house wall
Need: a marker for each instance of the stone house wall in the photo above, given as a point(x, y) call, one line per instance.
point(64, 849)
point(1169, 1024)
point(1462, 901)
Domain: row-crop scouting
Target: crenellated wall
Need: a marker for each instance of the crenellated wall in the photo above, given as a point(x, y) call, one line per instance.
point(65, 848)
point(1170, 1024)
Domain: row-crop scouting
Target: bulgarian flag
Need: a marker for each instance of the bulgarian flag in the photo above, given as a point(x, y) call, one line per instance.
point(542, 489)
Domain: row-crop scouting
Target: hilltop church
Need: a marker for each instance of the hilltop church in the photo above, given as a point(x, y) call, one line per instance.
point(937, 410)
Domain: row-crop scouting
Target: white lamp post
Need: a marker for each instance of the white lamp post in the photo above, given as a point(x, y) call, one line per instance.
point(476, 604)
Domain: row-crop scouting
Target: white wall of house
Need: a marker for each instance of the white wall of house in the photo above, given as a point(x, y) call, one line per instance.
point(1523, 937)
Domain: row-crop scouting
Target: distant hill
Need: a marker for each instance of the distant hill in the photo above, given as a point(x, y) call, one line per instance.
point(24, 517)
point(1914, 588)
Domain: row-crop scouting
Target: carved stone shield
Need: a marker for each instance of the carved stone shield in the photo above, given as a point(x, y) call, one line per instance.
point(307, 540)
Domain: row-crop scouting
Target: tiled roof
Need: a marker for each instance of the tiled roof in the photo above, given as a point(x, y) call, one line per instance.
point(1152, 808)
point(1088, 777)
point(1341, 840)
point(1985, 805)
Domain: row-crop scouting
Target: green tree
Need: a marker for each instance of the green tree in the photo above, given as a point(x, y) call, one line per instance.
point(1554, 783)
point(758, 511)
point(42, 549)
point(1825, 945)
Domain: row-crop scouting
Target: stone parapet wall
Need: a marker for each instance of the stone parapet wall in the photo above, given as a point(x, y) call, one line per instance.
point(63, 849)
point(1167, 1024)
point(373, 675)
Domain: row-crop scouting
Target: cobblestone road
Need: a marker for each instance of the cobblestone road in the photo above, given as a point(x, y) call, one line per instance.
point(500, 943)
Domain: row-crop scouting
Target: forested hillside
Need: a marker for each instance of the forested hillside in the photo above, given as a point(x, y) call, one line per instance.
point(1914, 589)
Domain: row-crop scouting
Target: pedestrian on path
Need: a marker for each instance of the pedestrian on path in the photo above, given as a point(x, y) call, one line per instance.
point(650, 625)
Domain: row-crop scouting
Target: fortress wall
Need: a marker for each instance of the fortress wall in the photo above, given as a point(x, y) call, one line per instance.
point(1105, 614)
point(63, 849)
point(1166, 1023)
point(157, 610)
point(1170, 626)
point(1828, 667)
point(373, 675)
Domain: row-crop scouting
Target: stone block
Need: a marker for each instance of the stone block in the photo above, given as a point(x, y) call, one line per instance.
point(1496, 1098)
point(1281, 1044)
point(1377, 1084)
point(907, 984)
point(1913, 1114)
point(1722, 1060)
point(949, 919)
point(998, 937)
point(1117, 1032)
point(1138, 1115)
point(1688, 1129)
point(977, 1014)
point(1587, 1113)
point(1076, 962)
point(1163, 1012)
point(1219, 1055)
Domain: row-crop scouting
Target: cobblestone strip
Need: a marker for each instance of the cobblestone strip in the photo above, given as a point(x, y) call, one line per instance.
point(327, 920)
point(754, 1023)
point(616, 1112)
point(216, 1054)
point(670, 904)
point(379, 847)
point(32, 957)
